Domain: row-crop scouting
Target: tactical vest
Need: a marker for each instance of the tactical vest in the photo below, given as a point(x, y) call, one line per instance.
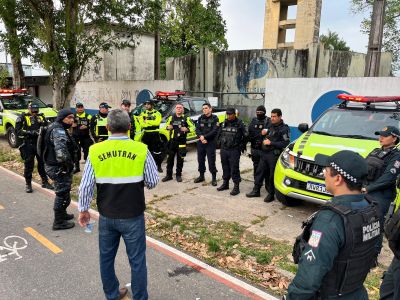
point(82, 119)
point(207, 124)
point(101, 129)
point(34, 122)
point(150, 116)
point(230, 134)
point(351, 266)
point(274, 135)
point(255, 127)
point(177, 123)
point(376, 163)
point(49, 154)
point(118, 168)
point(392, 228)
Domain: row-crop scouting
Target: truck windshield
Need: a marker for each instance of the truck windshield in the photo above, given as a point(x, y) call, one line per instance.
point(360, 124)
point(20, 101)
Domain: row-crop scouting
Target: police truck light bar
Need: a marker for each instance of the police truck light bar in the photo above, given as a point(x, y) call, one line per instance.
point(368, 99)
point(8, 91)
point(168, 94)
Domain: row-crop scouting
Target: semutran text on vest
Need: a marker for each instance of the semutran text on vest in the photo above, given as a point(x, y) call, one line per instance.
point(117, 153)
point(371, 230)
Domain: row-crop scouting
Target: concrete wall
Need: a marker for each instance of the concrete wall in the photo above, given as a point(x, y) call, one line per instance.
point(46, 93)
point(112, 92)
point(246, 70)
point(125, 64)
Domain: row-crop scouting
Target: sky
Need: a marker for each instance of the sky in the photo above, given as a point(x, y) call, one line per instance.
point(245, 23)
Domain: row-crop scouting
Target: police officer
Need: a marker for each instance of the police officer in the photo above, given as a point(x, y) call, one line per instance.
point(59, 164)
point(390, 287)
point(277, 137)
point(206, 130)
point(337, 247)
point(81, 133)
point(135, 126)
point(257, 130)
point(150, 120)
point(383, 168)
point(98, 125)
point(179, 126)
point(232, 140)
point(27, 128)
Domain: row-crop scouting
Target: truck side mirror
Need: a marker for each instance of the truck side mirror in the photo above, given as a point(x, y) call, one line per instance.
point(303, 127)
point(50, 105)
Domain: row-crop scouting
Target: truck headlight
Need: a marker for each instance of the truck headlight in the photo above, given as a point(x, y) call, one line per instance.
point(287, 159)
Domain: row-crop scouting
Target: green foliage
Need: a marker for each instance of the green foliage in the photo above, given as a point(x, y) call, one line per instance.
point(333, 41)
point(185, 26)
point(391, 31)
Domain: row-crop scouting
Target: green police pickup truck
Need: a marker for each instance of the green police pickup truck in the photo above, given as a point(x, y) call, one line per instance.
point(12, 104)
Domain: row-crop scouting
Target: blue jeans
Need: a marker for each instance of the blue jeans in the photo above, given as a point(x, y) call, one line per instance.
point(133, 232)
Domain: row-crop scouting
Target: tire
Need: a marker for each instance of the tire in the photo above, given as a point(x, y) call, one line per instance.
point(12, 137)
point(286, 200)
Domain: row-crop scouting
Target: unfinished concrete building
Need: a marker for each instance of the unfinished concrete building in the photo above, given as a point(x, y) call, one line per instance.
point(305, 25)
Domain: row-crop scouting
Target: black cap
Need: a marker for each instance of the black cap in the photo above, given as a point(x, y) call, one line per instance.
point(230, 111)
point(261, 108)
point(149, 101)
point(349, 164)
point(389, 130)
point(79, 104)
point(63, 113)
point(34, 106)
point(126, 102)
point(104, 105)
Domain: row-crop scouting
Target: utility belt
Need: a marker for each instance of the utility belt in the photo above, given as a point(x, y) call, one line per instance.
point(151, 128)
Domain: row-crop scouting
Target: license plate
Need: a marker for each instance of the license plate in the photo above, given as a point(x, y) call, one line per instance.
point(317, 187)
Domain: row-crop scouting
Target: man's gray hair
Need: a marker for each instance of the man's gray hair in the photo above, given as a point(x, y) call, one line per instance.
point(118, 121)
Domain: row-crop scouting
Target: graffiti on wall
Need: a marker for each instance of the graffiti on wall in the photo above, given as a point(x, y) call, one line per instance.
point(251, 79)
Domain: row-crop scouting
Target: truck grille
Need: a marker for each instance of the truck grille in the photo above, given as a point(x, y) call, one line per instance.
point(309, 168)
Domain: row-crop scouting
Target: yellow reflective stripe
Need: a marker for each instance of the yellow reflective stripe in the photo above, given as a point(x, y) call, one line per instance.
point(117, 180)
point(182, 146)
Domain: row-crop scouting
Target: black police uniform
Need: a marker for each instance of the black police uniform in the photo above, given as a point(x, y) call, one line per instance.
point(256, 126)
point(383, 169)
point(102, 133)
point(279, 135)
point(177, 144)
point(390, 286)
point(27, 127)
point(335, 259)
point(232, 140)
point(82, 136)
point(59, 160)
point(207, 127)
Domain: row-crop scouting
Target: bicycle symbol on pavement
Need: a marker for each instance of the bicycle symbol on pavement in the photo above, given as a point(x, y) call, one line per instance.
point(11, 245)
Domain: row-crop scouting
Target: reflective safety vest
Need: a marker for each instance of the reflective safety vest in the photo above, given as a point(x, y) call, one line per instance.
point(34, 123)
point(118, 169)
point(101, 129)
point(81, 119)
point(150, 120)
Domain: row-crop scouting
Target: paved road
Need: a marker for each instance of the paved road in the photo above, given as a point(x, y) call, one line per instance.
point(64, 265)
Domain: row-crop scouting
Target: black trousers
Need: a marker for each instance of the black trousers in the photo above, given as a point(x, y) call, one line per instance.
point(29, 154)
point(266, 167)
point(179, 152)
point(256, 155)
point(155, 145)
point(390, 286)
point(62, 187)
point(230, 159)
point(83, 142)
point(208, 150)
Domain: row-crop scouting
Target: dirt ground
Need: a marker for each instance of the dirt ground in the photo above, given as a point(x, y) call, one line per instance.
point(273, 220)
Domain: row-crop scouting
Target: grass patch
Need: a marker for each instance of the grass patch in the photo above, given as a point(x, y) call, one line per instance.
point(213, 245)
point(259, 219)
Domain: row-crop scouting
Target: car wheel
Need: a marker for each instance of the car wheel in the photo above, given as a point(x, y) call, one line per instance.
point(286, 200)
point(12, 137)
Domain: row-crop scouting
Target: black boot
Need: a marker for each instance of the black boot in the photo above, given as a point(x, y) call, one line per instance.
point(160, 170)
point(28, 187)
point(179, 178)
point(214, 179)
point(224, 186)
point(46, 184)
point(269, 198)
point(200, 178)
point(60, 223)
point(254, 193)
point(235, 191)
point(68, 216)
point(167, 178)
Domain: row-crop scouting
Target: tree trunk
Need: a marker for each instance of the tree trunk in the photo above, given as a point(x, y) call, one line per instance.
point(18, 73)
point(57, 94)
